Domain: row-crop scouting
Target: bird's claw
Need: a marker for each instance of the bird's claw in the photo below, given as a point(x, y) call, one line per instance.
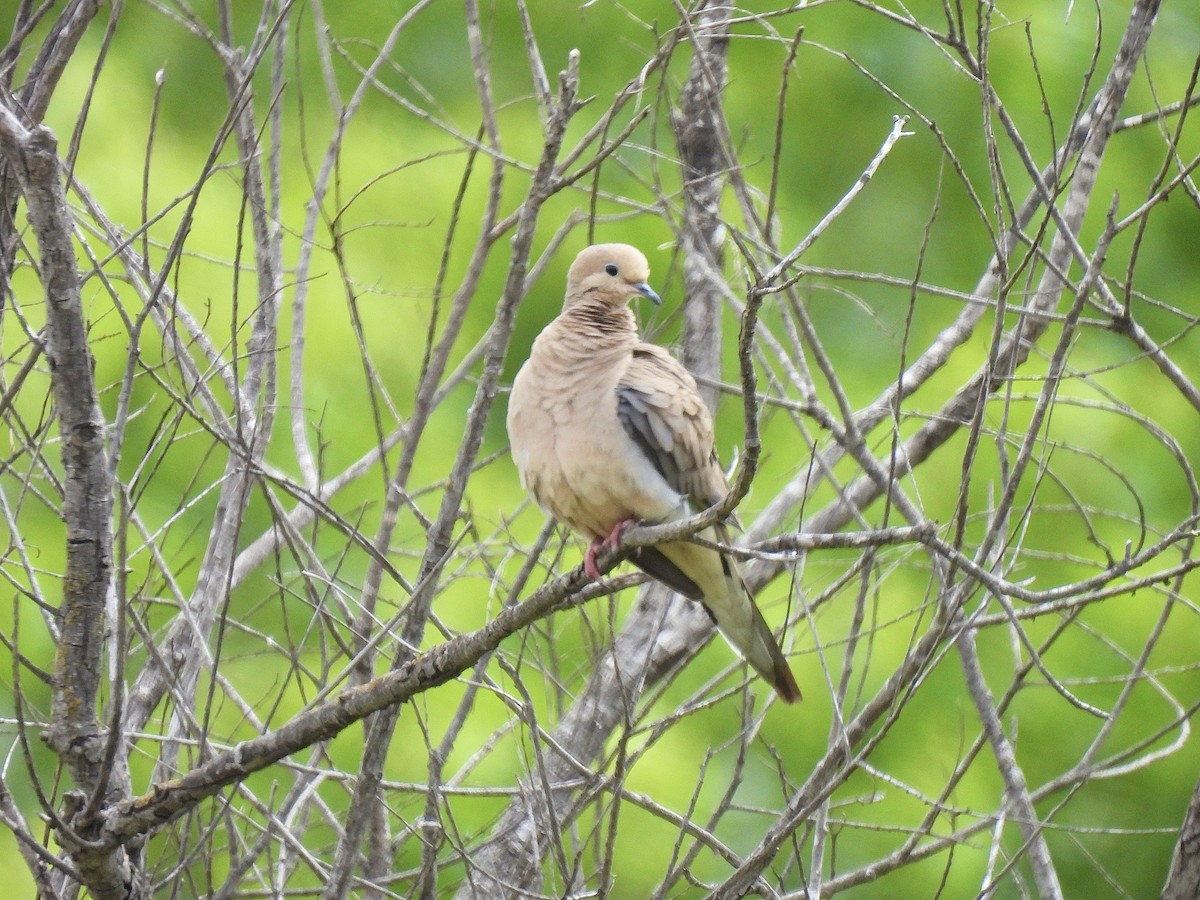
point(599, 544)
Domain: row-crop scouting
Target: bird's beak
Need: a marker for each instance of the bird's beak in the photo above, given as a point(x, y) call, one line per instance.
point(648, 292)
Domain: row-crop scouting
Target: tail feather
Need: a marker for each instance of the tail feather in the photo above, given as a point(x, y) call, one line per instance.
point(724, 594)
point(769, 662)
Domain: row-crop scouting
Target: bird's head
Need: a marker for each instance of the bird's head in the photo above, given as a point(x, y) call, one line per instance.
point(609, 273)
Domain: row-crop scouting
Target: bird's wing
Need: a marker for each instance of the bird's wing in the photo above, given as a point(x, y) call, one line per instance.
point(662, 411)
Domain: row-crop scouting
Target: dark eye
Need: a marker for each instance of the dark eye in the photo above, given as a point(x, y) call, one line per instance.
point(611, 270)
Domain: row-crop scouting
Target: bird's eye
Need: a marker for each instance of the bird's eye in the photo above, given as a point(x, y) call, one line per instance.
point(611, 270)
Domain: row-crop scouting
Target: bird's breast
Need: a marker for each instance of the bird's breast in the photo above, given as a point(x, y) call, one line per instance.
point(575, 458)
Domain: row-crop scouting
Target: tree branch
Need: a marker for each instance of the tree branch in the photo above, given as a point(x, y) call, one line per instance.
point(75, 733)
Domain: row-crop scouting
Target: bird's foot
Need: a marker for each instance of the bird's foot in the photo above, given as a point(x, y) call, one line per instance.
point(599, 544)
point(589, 559)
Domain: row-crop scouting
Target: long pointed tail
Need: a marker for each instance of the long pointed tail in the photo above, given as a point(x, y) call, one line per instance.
point(768, 661)
point(739, 620)
point(713, 579)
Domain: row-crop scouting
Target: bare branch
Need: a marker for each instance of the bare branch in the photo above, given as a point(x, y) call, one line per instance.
point(74, 732)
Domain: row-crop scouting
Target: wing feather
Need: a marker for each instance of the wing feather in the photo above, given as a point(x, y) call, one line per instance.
point(660, 408)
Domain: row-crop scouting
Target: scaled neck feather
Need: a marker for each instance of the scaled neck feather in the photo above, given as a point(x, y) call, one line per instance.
point(588, 334)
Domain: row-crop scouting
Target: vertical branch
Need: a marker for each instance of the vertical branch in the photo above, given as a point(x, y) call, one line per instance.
point(699, 134)
point(87, 501)
point(74, 733)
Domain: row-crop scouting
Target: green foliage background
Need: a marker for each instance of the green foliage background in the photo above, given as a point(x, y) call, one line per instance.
point(396, 178)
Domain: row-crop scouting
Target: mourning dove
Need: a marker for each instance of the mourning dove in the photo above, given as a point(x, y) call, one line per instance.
point(607, 431)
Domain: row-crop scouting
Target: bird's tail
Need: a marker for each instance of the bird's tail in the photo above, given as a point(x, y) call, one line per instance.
point(713, 579)
point(768, 660)
point(746, 629)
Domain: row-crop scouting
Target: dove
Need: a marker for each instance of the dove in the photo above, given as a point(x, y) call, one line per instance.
point(607, 431)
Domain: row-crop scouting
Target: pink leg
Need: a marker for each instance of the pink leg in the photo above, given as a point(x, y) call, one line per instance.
point(589, 559)
point(598, 544)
